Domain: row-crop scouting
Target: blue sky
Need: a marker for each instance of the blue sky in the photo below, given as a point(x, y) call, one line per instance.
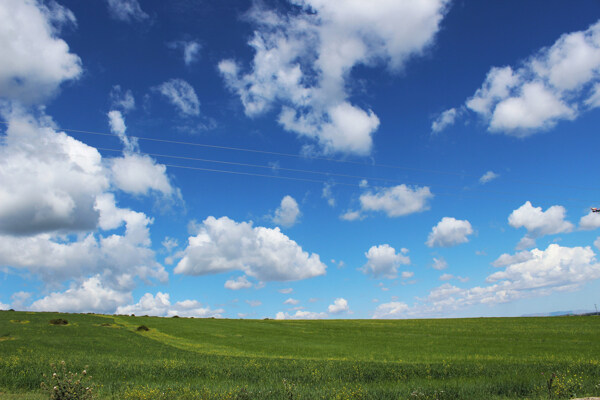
point(299, 159)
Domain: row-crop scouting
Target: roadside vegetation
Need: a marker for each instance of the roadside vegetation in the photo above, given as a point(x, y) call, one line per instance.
point(184, 358)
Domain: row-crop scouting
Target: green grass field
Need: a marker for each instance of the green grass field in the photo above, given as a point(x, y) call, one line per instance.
point(181, 358)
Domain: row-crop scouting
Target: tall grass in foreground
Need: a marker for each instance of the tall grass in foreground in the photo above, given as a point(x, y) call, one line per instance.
point(496, 358)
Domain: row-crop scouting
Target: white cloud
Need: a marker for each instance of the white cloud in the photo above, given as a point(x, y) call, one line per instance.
point(538, 223)
point(191, 50)
point(394, 309)
point(327, 194)
point(590, 221)
point(351, 215)
point(35, 61)
point(288, 212)
point(140, 174)
point(444, 120)
point(123, 100)
point(488, 176)
point(48, 180)
point(541, 273)
point(449, 232)
point(508, 259)
point(286, 290)
point(224, 245)
point(169, 244)
point(118, 127)
point(160, 306)
point(446, 277)
point(291, 301)
point(439, 263)
point(240, 283)
point(339, 306)
point(182, 95)
point(303, 62)
point(4, 306)
point(126, 10)
point(397, 201)
point(383, 261)
point(118, 259)
point(407, 274)
point(556, 83)
point(90, 296)
point(300, 314)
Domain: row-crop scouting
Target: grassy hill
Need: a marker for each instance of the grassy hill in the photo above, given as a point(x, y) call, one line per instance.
point(484, 358)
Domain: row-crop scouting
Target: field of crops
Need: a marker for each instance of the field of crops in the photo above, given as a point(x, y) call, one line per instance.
point(181, 358)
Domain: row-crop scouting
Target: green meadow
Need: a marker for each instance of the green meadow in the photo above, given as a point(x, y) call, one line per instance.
point(186, 358)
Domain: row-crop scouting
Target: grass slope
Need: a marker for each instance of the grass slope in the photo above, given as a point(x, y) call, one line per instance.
point(491, 358)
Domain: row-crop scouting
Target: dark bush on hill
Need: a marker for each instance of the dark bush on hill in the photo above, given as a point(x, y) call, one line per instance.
point(143, 328)
point(59, 321)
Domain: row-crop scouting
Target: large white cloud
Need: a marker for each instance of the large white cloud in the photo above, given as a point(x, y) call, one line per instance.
point(90, 296)
point(303, 62)
point(117, 259)
point(140, 174)
point(182, 95)
point(160, 306)
point(266, 254)
point(288, 212)
point(48, 180)
point(556, 83)
point(383, 261)
point(35, 61)
point(539, 223)
point(449, 232)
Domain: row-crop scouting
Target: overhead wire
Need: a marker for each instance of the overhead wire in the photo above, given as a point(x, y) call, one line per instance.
point(300, 156)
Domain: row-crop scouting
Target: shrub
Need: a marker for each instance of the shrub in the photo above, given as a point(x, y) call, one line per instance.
point(63, 385)
point(143, 328)
point(59, 321)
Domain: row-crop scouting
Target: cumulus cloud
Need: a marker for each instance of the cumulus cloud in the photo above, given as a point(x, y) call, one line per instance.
point(444, 120)
point(327, 194)
point(488, 176)
point(303, 62)
point(339, 306)
point(383, 261)
point(140, 174)
point(539, 273)
point(539, 223)
point(90, 296)
point(590, 221)
point(558, 82)
point(35, 61)
point(160, 305)
point(48, 180)
point(286, 290)
point(223, 245)
point(449, 232)
point(182, 95)
point(126, 10)
point(291, 301)
point(288, 212)
point(351, 215)
point(396, 201)
point(240, 283)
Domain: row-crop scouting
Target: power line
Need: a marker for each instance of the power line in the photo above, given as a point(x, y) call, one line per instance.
point(298, 156)
point(312, 172)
